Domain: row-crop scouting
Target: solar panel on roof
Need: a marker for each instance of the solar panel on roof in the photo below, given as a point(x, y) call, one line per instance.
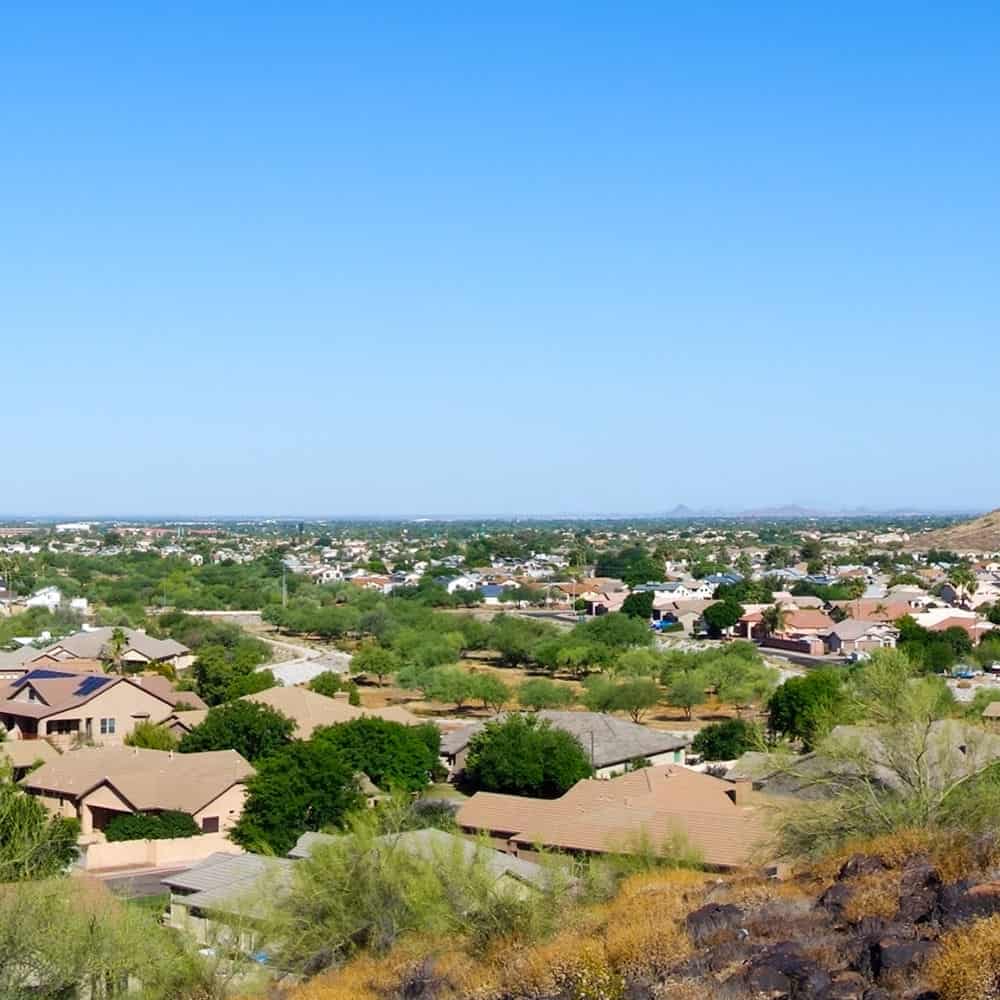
point(91, 684)
point(41, 675)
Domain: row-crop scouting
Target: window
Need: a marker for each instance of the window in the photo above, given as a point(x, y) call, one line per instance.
point(210, 824)
point(107, 727)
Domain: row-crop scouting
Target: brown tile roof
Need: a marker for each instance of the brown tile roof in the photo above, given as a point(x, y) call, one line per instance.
point(309, 710)
point(62, 690)
point(146, 779)
point(24, 753)
point(807, 618)
point(603, 816)
point(305, 708)
point(874, 609)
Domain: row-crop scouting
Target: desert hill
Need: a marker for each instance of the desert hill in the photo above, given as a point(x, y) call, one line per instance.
point(981, 534)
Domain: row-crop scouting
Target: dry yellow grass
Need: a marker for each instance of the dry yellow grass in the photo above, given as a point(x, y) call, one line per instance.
point(954, 855)
point(640, 931)
point(967, 963)
point(874, 895)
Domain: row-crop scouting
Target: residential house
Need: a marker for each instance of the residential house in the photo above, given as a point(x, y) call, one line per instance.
point(953, 750)
point(62, 706)
point(140, 649)
point(22, 756)
point(223, 899)
point(95, 784)
point(874, 609)
point(47, 597)
point(455, 583)
point(439, 845)
point(854, 636)
point(802, 631)
point(609, 742)
point(675, 590)
point(307, 709)
point(659, 806)
point(686, 613)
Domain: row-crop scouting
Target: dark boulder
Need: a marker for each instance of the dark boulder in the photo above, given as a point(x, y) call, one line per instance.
point(836, 898)
point(860, 864)
point(893, 955)
point(710, 921)
point(919, 892)
point(963, 901)
point(784, 967)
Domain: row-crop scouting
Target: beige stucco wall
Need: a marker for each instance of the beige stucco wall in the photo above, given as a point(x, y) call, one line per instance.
point(120, 702)
point(228, 807)
point(157, 853)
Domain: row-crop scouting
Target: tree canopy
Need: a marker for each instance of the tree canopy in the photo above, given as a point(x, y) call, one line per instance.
point(525, 755)
point(252, 730)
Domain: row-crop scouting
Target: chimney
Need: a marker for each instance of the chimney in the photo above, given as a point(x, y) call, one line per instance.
point(740, 792)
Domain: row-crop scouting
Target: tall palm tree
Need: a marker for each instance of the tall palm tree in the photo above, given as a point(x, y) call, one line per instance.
point(116, 646)
point(772, 619)
point(964, 581)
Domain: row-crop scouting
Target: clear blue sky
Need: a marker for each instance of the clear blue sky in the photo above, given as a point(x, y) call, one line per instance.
point(510, 258)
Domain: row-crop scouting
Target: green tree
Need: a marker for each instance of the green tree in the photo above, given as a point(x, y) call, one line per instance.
point(449, 685)
point(686, 690)
point(151, 736)
point(615, 631)
point(33, 844)
point(726, 740)
point(391, 754)
point(639, 605)
point(721, 617)
point(638, 663)
point(244, 726)
point(539, 693)
point(326, 683)
point(375, 660)
point(491, 691)
point(807, 708)
point(637, 695)
point(599, 693)
point(964, 581)
point(524, 755)
point(304, 785)
point(772, 620)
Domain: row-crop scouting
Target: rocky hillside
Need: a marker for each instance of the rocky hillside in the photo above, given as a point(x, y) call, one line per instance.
point(903, 918)
point(982, 534)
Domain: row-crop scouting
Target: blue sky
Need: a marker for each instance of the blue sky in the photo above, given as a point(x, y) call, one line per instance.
point(510, 258)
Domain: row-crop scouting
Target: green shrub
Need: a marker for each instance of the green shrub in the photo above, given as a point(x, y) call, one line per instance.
point(151, 826)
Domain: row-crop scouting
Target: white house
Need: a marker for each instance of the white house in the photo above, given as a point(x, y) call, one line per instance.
point(47, 597)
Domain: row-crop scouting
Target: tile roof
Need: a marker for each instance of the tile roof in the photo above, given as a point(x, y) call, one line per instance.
point(310, 710)
point(60, 690)
point(91, 644)
point(307, 709)
point(146, 779)
point(607, 739)
point(604, 816)
point(232, 883)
